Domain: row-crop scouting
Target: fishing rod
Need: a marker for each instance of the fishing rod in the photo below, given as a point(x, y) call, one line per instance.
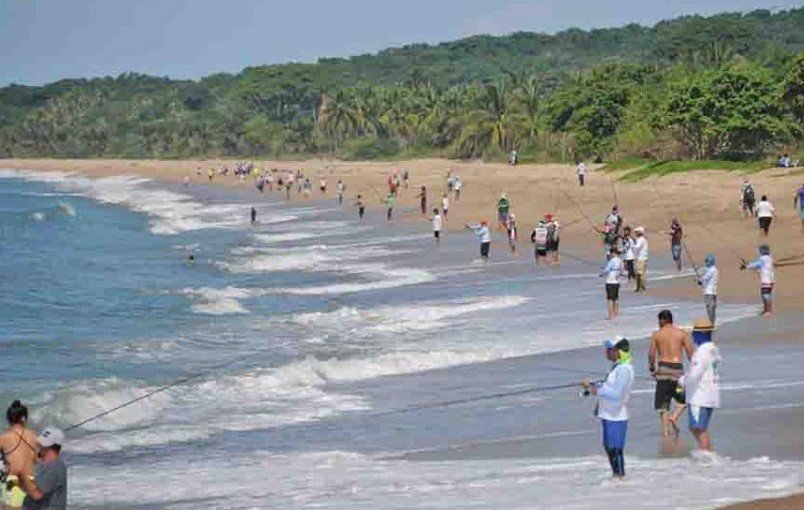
point(692, 260)
point(583, 214)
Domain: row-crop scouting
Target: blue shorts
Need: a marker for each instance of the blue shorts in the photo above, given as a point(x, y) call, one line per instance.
point(801, 213)
point(676, 251)
point(699, 417)
point(614, 433)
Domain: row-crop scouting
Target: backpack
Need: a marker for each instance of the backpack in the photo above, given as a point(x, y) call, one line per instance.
point(748, 195)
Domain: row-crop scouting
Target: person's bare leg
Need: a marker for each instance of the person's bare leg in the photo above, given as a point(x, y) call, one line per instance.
point(663, 423)
point(674, 416)
point(616, 308)
point(610, 308)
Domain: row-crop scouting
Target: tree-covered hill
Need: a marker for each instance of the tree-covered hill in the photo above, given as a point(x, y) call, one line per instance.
point(596, 92)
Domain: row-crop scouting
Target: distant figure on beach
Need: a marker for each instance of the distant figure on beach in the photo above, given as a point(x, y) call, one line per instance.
point(708, 283)
point(422, 196)
point(322, 186)
point(539, 239)
point(798, 203)
point(458, 185)
point(748, 198)
point(612, 271)
point(628, 253)
point(503, 206)
point(641, 259)
point(512, 232)
point(438, 224)
point(513, 158)
point(764, 213)
point(445, 207)
point(676, 234)
point(361, 207)
point(484, 236)
point(581, 171)
point(614, 220)
point(253, 215)
point(702, 382)
point(767, 277)
point(553, 237)
point(211, 174)
point(665, 362)
point(390, 202)
point(450, 181)
point(339, 189)
point(406, 178)
point(612, 399)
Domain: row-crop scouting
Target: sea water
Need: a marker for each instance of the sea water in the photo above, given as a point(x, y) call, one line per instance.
point(318, 324)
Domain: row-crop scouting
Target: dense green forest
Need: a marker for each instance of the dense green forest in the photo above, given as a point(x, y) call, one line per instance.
point(729, 86)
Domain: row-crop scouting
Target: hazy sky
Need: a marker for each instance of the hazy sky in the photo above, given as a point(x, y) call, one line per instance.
point(45, 40)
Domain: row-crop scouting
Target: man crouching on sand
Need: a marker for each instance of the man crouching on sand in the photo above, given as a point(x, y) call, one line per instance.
point(612, 397)
point(667, 344)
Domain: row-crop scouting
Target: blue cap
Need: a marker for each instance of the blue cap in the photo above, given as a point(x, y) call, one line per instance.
point(613, 343)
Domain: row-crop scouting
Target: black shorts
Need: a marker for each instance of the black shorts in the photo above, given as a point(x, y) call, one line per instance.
point(484, 249)
point(765, 223)
point(666, 392)
point(541, 252)
point(613, 291)
point(436, 233)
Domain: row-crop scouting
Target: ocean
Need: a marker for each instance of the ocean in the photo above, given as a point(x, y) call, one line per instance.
point(309, 332)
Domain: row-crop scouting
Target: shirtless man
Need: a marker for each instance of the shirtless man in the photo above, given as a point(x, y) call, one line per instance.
point(668, 345)
point(19, 446)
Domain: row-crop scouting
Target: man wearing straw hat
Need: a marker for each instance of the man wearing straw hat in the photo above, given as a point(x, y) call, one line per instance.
point(702, 382)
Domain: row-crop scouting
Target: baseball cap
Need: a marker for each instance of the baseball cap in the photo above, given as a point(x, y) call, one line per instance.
point(51, 436)
point(618, 342)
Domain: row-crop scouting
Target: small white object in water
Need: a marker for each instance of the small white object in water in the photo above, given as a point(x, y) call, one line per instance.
point(67, 208)
point(38, 216)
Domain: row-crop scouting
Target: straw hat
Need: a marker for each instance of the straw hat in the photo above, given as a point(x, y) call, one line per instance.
point(702, 325)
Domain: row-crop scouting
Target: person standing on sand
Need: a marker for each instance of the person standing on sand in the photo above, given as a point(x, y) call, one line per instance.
point(484, 236)
point(512, 232)
point(765, 212)
point(581, 171)
point(18, 445)
point(614, 220)
point(422, 196)
point(748, 198)
point(612, 271)
point(503, 206)
point(676, 235)
point(445, 207)
point(406, 178)
point(767, 277)
point(798, 203)
point(641, 259)
point(612, 399)
point(458, 185)
point(628, 253)
point(253, 215)
point(322, 186)
point(702, 382)
point(665, 362)
point(361, 207)
point(438, 224)
point(708, 283)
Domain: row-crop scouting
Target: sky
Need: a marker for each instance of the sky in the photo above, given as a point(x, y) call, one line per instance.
point(46, 40)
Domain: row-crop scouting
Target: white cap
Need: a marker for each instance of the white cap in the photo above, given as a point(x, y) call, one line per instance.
point(51, 436)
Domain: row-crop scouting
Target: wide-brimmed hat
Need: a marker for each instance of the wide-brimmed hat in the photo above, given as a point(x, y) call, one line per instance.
point(703, 325)
point(639, 230)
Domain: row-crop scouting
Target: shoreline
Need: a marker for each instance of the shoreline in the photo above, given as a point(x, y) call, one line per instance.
point(371, 176)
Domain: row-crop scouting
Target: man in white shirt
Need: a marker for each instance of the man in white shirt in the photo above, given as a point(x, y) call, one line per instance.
point(437, 225)
point(708, 283)
point(612, 273)
point(701, 382)
point(612, 400)
point(641, 257)
point(484, 236)
point(581, 173)
point(767, 277)
point(765, 212)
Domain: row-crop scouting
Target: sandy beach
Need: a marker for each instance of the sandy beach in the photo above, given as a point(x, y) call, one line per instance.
point(706, 203)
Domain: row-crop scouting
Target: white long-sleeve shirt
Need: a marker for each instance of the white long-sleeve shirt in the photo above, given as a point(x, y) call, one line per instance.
point(702, 380)
point(613, 394)
point(482, 232)
point(612, 270)
point(767, 276)
point(437, 223)
point(709, 281)
point(765, 209)
point(641, 249)
point(628, 248)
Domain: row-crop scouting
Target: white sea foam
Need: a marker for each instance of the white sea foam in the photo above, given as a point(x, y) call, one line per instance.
point(377, 276)
point(397, 319)
point(225, 301)
point(344, 480)
point(310, 258)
